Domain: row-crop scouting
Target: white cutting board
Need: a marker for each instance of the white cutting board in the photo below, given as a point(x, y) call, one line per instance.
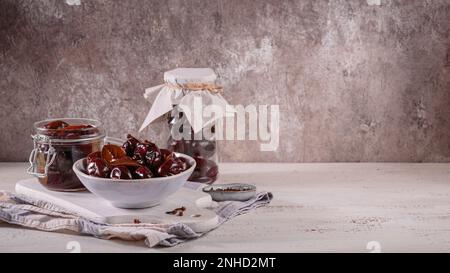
point(197, 215)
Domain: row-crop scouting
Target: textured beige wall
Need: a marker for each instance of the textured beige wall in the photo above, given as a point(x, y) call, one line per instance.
point(355, 82)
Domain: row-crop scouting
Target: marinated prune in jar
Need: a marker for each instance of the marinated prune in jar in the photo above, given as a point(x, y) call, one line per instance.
point(204, 151)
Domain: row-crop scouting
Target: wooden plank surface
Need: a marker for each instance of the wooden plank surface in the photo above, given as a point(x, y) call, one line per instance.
point(339, 207)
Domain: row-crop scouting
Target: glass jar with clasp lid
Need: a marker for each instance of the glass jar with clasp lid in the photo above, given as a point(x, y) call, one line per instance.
point(58, 143)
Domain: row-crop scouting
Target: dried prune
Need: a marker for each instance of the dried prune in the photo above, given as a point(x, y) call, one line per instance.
point(111, 152)
point(166, 154)
point(130, 145)
point(184, 163)
point(121, 172)
point(141, 150)
point(98, 167)
point(203, 152)
point(205, 171)
point(147, 160)
point(203, 148)
point(78, 127)
point(138, 159)
point(125, 161)
point(176, 146)
point(56, 124)
point(93, 156)
point(74, 131)
point(149, 153)
point(142, 172)
point(170, 167)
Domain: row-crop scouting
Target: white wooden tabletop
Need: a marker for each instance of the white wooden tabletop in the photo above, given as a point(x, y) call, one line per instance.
point(338, 207)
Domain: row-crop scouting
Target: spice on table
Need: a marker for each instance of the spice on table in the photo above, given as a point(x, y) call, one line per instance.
point(232, 189)
point(178, 211)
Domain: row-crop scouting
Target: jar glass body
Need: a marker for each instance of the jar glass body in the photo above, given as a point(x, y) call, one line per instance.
point(55, 152)
point(203, 150)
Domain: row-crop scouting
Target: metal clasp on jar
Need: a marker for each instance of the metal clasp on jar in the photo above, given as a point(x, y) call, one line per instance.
point(50, 155)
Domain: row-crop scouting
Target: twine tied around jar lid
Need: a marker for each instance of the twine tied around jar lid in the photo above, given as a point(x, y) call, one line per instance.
point(192, 86)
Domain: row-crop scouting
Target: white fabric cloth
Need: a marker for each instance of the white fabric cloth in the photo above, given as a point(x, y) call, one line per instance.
point(169, 95)
point(39, 214)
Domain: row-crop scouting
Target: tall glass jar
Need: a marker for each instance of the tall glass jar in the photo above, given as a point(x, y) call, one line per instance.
point(58, 143)
point(190, 96)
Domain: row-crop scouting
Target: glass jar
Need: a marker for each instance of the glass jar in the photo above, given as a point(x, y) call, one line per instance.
point(55, 151)
point(193, 90)
point(203, 150)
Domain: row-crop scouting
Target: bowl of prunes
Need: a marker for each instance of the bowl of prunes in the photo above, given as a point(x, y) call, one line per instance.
point(136, 174)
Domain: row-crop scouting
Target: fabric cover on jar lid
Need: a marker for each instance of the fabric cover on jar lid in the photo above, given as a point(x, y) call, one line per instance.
point(189, 75)
point(182, 86)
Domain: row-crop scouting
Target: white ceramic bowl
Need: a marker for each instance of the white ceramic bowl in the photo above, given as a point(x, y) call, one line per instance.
point(133, 193)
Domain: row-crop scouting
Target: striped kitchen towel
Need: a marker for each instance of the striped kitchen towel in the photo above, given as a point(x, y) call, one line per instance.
point(25, 211)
